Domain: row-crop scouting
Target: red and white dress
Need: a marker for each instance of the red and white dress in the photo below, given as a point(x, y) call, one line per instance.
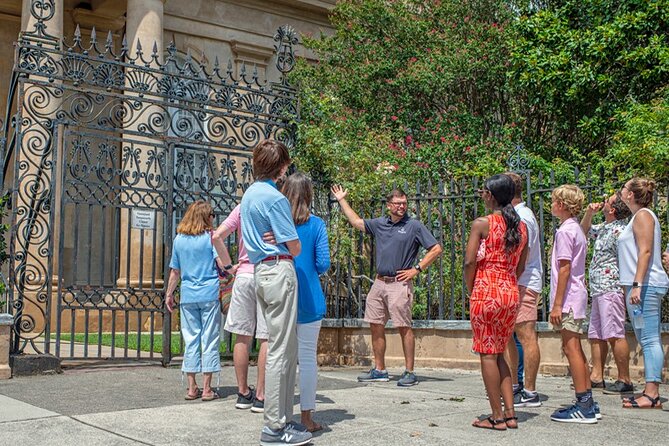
point(494, 300)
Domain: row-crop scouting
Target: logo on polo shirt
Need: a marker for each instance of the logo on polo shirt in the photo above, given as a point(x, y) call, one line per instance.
point(402, 230)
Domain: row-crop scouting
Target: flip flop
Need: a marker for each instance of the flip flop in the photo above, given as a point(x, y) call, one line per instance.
point(634, 404)
point(198, 394)
point(492, 422)
point(213, 396)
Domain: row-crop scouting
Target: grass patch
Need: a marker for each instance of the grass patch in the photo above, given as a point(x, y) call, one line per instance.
point(120, 339)
point(144, 344)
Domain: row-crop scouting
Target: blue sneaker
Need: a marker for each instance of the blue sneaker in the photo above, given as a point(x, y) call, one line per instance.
point(598, 413)
point(575, 414)
point(407, 379)
point(374, 376)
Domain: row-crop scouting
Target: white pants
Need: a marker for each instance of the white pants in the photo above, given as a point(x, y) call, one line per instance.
point(307, 344)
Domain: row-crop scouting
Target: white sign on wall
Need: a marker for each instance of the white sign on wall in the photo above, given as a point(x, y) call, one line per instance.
point(143, 219)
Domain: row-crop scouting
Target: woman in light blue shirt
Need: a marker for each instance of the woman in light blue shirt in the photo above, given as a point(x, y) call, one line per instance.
point(312, 261)
point(193, 262)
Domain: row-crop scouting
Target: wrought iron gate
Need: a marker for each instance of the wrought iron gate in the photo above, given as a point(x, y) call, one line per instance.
point(105, 150)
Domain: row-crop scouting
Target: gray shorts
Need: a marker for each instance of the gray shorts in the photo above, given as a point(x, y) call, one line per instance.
point(245, 316)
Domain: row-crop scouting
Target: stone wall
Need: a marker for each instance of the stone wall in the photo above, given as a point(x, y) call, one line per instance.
point(447, 344)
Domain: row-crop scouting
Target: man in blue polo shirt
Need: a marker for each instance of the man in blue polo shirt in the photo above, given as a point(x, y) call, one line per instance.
point(265, 209)
point(398, 239)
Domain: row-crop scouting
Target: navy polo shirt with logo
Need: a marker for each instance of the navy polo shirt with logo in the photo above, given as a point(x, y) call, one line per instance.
point(397, 244)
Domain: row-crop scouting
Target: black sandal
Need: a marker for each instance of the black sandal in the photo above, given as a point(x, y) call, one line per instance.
point(492, 422)
point(513, 418)
point(655, 403)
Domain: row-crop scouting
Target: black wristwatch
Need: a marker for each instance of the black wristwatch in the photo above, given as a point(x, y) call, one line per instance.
point(418, 267)
point(228, 267)
point(636, 285)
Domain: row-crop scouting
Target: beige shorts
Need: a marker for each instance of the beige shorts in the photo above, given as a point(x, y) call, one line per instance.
point(389, 301)
point(571, 324)
point(527, 305)
point(245, 316)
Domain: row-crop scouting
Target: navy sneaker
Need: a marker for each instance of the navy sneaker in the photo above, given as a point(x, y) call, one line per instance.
point(598, 413)
point(245, 401)
point(258, 406)
point(374, 376)
point(407, 379)
point(575, 414)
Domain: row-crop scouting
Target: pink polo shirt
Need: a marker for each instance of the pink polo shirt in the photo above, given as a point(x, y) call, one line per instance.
point(234, 223)
point(570, 244)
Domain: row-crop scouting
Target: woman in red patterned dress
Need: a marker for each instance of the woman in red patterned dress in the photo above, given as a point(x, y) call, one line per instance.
point(495, 257)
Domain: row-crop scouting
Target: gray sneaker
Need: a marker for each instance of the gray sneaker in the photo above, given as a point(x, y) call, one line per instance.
point(407, 379)
point(374, 376)
point(618, 388)
point(286, 436)
point(523, 399)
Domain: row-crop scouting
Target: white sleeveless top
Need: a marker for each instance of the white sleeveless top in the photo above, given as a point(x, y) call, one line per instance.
point(628, 256)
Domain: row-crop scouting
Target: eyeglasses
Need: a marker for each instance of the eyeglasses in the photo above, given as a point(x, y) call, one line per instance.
point(398, 204)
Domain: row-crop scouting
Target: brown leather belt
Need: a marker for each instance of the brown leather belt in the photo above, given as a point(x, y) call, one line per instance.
point(386, 279)
point(276, 258)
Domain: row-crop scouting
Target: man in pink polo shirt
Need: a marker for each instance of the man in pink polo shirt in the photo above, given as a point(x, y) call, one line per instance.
point(245, 319)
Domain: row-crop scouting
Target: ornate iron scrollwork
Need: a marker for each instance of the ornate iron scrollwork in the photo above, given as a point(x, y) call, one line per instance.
point(42, 11)
point(286, 38)
point(134, 132)
point(518, 160)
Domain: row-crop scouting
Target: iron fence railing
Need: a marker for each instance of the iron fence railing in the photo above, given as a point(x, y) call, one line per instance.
point(447, 208)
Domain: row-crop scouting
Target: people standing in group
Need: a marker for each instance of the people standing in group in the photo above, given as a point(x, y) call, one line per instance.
point(265, 209)
point(194, 254)
point(313, 261)
point(569, 298)
point(494, 259)
point(646, 283)
point(530, 284)
point(607, 315)
point(398, 239)
point(245, 319)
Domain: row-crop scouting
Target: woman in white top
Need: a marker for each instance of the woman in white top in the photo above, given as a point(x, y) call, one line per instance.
point(645, 283)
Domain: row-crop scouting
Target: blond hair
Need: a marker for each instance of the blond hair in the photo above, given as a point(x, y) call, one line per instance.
point(571, 197)
point(643, 190)
point(197, 219)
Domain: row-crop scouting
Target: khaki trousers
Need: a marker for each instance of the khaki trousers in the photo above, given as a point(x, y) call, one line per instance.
point(276, 288)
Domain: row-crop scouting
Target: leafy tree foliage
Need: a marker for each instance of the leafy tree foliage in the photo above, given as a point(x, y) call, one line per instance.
point(409, 89)
point(580, 69)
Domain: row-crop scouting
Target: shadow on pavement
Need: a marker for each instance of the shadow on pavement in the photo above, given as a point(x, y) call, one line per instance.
point(226, 391)
point(330, 417)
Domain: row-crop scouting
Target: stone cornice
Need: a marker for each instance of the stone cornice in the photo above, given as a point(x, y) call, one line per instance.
point(251, 54)
point(87, 19)
point(315, 11)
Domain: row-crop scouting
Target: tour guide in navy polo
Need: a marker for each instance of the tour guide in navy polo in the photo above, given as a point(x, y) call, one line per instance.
point(265, 209)
point(398, 239)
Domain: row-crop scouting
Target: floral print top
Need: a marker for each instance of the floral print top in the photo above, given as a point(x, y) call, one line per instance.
point(604, 271)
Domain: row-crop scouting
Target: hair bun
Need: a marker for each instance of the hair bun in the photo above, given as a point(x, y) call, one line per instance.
point(649, 185)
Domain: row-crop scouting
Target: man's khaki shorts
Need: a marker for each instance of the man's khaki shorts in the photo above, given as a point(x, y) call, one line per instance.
point(245, 316)
point(571, 324)
point(389, 301)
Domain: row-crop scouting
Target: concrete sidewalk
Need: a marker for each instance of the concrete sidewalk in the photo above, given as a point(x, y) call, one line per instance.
point(141, 404)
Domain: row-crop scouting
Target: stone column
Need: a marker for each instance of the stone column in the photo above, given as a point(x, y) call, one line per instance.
point(6, 321)
point(144, 23)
